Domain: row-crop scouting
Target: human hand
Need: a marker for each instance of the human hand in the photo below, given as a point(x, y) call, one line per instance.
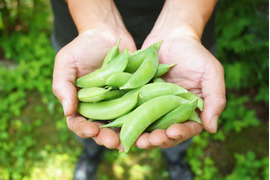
point(198, 71)
point(80, 57)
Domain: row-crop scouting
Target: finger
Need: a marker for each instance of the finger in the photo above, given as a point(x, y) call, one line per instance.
point(159, 138)
point(213, 90)
point(184, 131)
point(120, 147)
point(64, 75)
point(80, 126)
point(143, 141)
point(108, 138)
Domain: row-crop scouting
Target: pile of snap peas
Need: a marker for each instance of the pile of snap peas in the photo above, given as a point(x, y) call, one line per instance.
point(130, 94)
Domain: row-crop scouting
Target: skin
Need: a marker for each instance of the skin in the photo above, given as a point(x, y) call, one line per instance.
point(180, 26)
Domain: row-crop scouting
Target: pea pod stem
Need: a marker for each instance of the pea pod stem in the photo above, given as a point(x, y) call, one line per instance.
point(113, 53)
point(162, 69)
point(117, 122)
point(191, 96)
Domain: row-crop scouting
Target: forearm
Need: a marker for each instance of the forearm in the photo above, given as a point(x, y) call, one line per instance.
point(89, 14)
point(186, 16)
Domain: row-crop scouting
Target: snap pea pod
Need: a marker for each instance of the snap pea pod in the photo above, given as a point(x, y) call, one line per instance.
point(177, 115)
point(145, 72)
point(153, 90)
point(93, 94)
point(113, 53)
point(111, 109)
point(144, 115)
point(117, 122)
point(118, 79)
point(158, 80)
point(113, 94)
point(191, 96)
point(135, 52)
point(98, 77)
point(195, 117)
point(137, 58)
point(162, 69)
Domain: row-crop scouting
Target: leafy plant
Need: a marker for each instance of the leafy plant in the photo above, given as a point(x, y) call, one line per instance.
point(243, 42)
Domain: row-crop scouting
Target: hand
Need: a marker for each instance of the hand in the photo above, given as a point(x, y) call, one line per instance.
point(82, 56)
point(198, 71)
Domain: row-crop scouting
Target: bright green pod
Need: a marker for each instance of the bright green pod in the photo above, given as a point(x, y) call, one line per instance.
point(111, 109)
point(135, 52)
point(93, 94)
point(118, 79)
point(177, 115)
point(114, 94)
point(117, 122)
point(144, 115)
point(136, 58)
point(191, 96)
point(153, 90)
point(113, 53)
point(145, 72)
point(195, 117)
point(98, 77)
point(162, 69)
point(158, 80)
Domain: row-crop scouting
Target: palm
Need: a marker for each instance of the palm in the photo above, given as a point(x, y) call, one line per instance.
point(87, 51)
point(191, 59)
point(198, 71)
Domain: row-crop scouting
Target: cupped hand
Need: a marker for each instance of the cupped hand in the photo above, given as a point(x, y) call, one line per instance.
point(80, 57)
point(198, 71)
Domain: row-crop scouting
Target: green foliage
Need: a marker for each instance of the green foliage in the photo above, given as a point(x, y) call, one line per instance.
point(243, 42)
point(236, 116)
point(28, 71)
point(249, 168)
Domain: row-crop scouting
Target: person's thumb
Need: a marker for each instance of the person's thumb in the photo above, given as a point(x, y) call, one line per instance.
point(64, 75)
point(213, 88)
point(67, 95)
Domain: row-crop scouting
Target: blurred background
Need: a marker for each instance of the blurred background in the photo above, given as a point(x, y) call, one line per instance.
point(36, 144)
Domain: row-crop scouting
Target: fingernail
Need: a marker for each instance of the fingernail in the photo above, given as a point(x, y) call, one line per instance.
point(65, 105)
point(214, 124)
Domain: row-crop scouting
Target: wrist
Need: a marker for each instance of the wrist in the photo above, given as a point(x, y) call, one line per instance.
point(184, 17)
point(92, 14)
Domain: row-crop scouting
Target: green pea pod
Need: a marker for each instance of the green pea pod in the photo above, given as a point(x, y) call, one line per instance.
point(93, 94)
point(144, 115)
point(113, 94)
point(145, 72)
point(137, 58)
point(191, 96)
point(111, 109)
point(162, 69)
point(157, 45)
point(158, 80)
point(98, 77)
point(117, 122)
point(135, 52)
point(153, 90)
point(113, 53)
point(118, 79)
point(177, 115)
point(195, 117)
